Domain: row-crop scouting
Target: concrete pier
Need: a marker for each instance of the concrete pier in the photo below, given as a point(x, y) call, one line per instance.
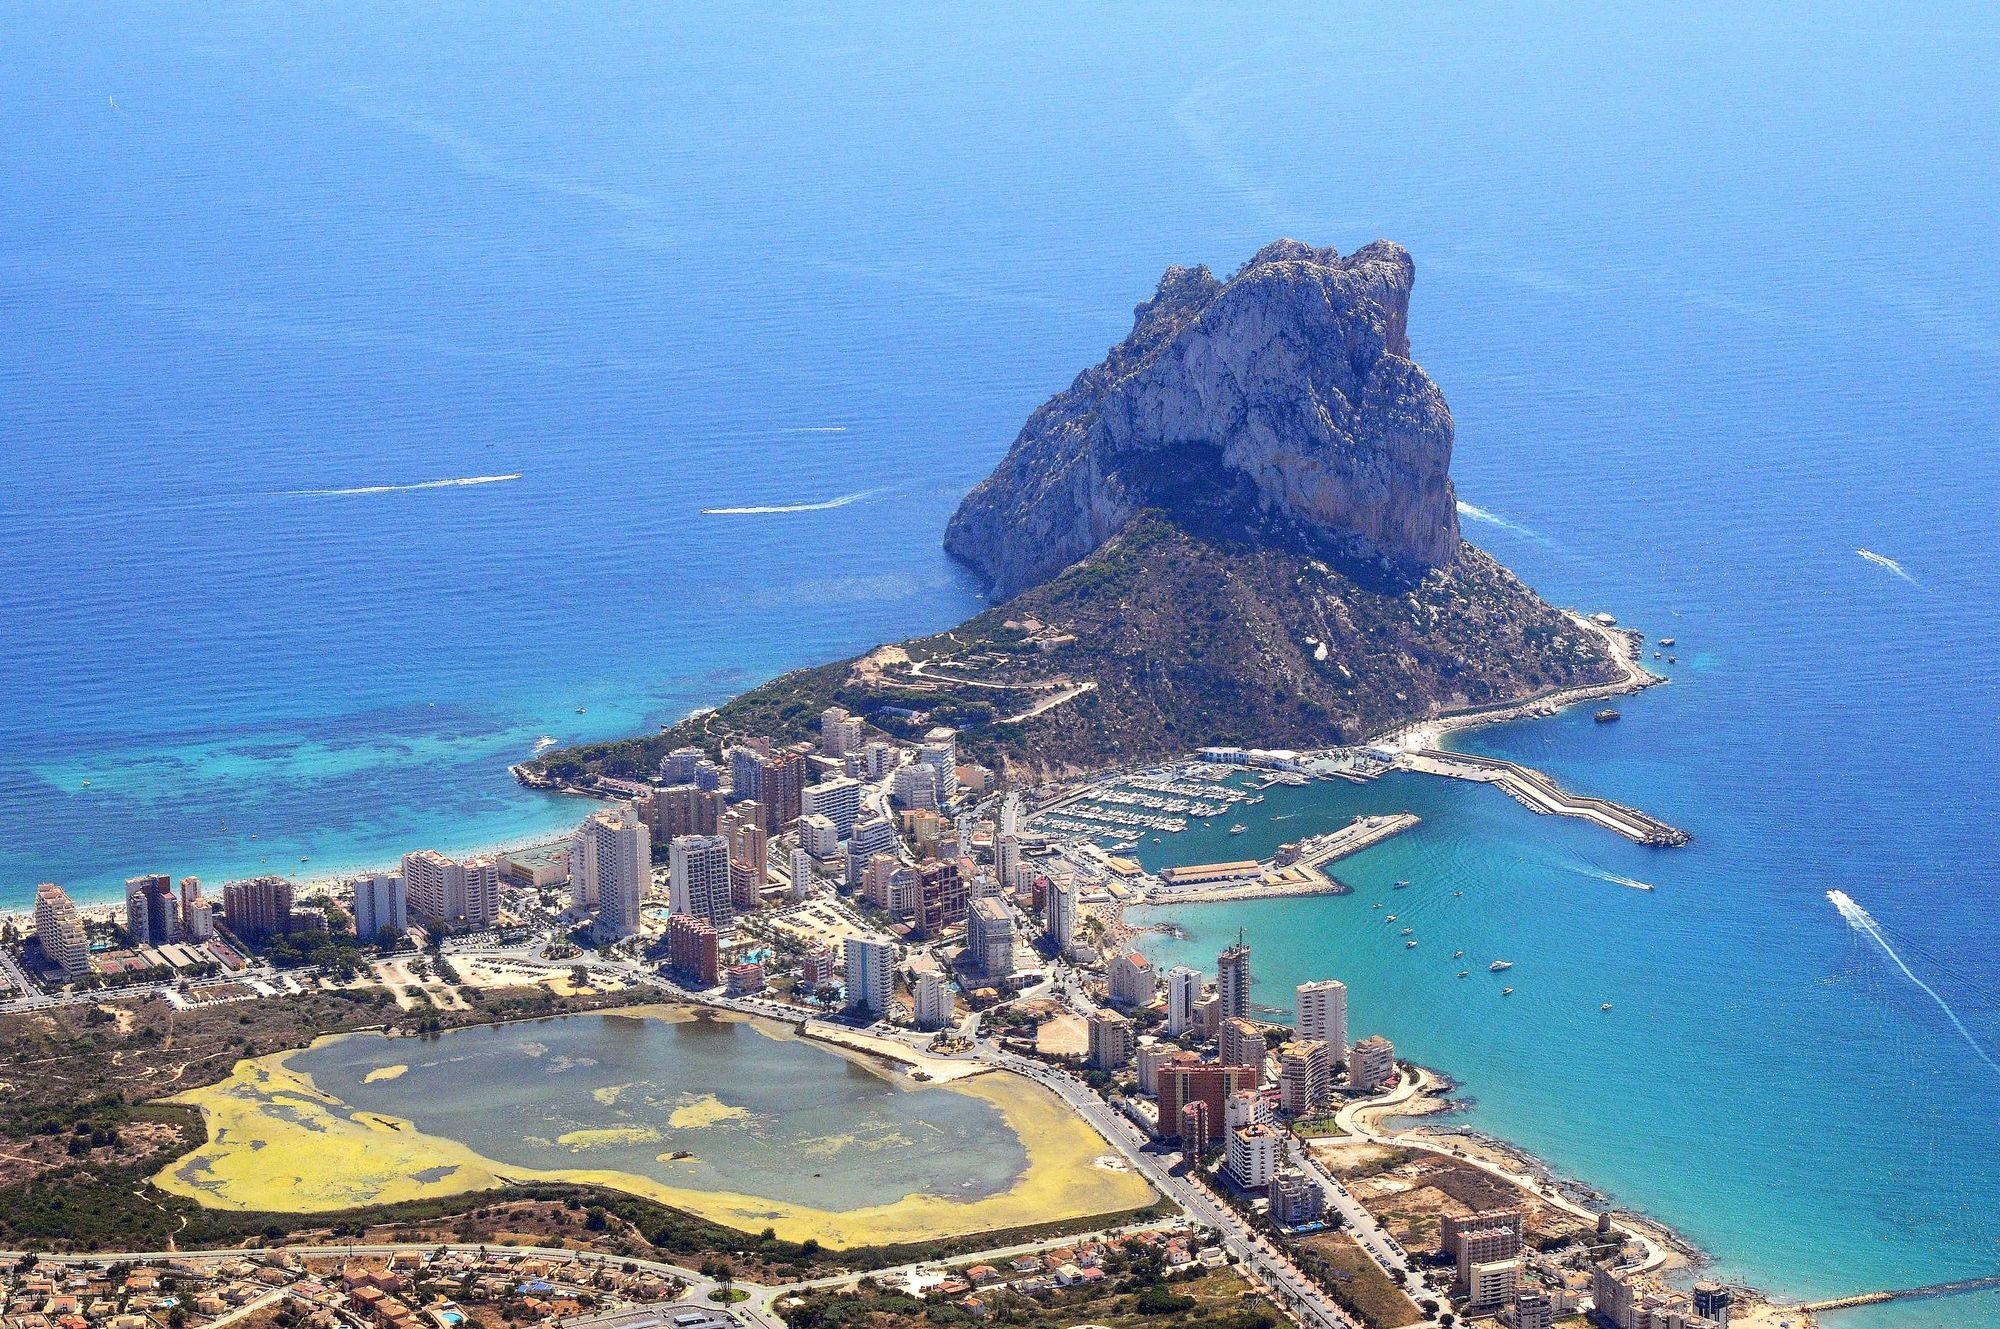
point(1541, 794)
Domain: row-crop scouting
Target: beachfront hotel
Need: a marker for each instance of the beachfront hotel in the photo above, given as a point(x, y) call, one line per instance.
point(59, 930)
point(871, 973)
point(447, 893)
point(381, 905)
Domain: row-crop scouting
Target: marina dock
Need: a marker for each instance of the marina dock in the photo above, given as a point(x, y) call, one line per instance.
point(1541, 794)
point(1320, 850)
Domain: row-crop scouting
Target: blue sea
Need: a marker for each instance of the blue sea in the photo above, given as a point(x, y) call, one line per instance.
point(1712, 290)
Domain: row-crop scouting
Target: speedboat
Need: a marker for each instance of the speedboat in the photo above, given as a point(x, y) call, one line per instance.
point(1506, 992)
point(1458, 893)
point(1408, 931)
point(1376, 905)
point(1408, 945)
point(1463, 972)
point(1605, 1007)
point(1401, 886)
point(1238, 829)
point(1390, 919)
point(1458, 955)
point(1498, 965)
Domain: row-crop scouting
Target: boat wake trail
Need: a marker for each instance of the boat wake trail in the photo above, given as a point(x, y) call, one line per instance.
point(1601, 875)
point(826, 505)
point(459, 483)
point(1864, 922)
point(1884, 561)
point(1495, 519)
point(816, 429)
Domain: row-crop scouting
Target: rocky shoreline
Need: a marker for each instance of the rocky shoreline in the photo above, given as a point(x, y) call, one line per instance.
point(1675, 1255)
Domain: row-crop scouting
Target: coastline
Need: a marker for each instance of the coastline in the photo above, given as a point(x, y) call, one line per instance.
point(1624, 645)
point(1429, 1095)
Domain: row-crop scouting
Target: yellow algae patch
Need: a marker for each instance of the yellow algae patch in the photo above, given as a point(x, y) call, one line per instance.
point(704, 1111)
point(277, 1143)
point(1066, 1177)
point(608, 1094)
point(381, 1073)
point(596, 1136)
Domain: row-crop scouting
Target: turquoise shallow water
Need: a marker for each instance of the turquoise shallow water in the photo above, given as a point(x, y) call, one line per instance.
point(1710, 290)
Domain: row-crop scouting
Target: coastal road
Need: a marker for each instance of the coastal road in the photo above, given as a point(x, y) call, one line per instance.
point(1256, 1254)
point(1251, 1250)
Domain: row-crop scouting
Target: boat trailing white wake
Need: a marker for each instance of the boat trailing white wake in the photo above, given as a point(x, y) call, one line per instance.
point(825, 505)
point(1466, 509)
point(1884, 561)
point(458, 483)
point(1615, 879)
point(1864, 922)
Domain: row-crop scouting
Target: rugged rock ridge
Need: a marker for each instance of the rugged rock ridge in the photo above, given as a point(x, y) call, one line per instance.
point(1239, 528)
point(1284, 394)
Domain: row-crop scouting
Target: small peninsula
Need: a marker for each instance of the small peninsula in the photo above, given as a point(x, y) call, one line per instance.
point(1238, 527)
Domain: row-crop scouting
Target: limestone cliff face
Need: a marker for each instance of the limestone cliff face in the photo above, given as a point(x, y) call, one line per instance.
point(1283, 395)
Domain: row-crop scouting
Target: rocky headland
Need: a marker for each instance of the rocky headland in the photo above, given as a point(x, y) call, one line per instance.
point(1239, 527)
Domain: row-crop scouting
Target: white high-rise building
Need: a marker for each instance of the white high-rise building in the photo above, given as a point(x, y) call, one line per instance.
point(878, 759)
point(939, 751)
point(872, 835)
point(933, 1000)
point(1007, 861)
point(1254, 1152)
point(818, 836)
point(1059, 914)
point(1183, 994)
point(917, 786)
point(871, 973)
point(838, 800)
point(680, 766)
point(380, 905)
point(989, 937)
point(802, 874)
point(839, 732)
point(1305, 1076)
point(444, 892)
point(698, 877)
point(1323, 1014)
point(59, 930)
point(618, 851)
